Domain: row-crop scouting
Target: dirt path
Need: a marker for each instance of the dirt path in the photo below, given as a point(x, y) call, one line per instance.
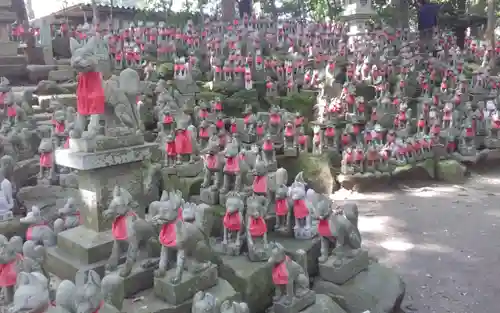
point(443, 239)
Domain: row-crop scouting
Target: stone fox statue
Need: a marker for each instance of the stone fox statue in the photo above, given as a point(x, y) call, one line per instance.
point(165, 213)
point(338, 226)
point(214, 163)
point(38, 231)
point(90, 91)
point(88, 294)
point(290, 278)
point(127, 227)
point(11, 263)
point(69, 216)
point(32, 293)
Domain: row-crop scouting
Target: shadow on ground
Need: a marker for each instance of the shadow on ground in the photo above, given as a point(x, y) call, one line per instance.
point(443, 239)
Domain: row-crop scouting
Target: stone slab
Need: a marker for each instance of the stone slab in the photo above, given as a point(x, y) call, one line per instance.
point(8, 48)
point(253, 280)
point(140, 279)
point(190, 284)
point(86, 245)
point(64, 99)
point(90, 161)
point(152, 304)
point(209, 196)
point(61, 75)
point(106, 308)
point(5, 3)
point(377, 289)
point(297, 304)
point(65, 266)
point(348, 269)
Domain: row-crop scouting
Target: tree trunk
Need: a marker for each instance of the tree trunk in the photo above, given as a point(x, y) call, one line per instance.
point(404, 13)
point(227, 10)
point(490, 30)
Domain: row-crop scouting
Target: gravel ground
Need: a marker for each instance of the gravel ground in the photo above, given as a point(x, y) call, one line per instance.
point(443, 240)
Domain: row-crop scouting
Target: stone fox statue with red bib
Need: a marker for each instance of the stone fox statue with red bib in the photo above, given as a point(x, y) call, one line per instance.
point(90, 91)
point(337, 226)
point(290, 278)
point(127, 227)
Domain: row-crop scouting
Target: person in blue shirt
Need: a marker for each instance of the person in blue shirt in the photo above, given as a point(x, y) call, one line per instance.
point(427, 20)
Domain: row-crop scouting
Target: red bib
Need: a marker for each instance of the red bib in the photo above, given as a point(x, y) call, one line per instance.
point(119, 226)
point(260, 184)
point(170, 149)
point(219, 123)
point(300, 209)
point(280, 273)
point(46, 159)
point(281, 207)
point(29, 231)
point(183, 144)
point(60, 127)
point(275, 119)
point(167, 235)
point(11, 112)
point(8, 272)
point(232, 165)
point(289, 132)
point(211, 161)
point(268, 146)
point(232, 221)
point(168, 119)
point(324, 228)
point(90, 94)
point(257, 227)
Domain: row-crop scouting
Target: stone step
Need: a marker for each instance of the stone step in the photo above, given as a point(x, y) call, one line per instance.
point(61, 75)
point(63, 62)
point(8, 48)
point(65, 100)
point(5, 3)
point(12, 59)
point(13, 70)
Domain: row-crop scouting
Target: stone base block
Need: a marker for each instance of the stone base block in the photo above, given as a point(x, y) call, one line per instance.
point(297, 304)
point(106, 308)
point(140, 279)
point(377, 289)
point(222, 291)
point(189, 169)
point(190, 284)
point(65, 266)
point(290, 152)
point(86, 245)
point(338, 271)
point(209, 196)
point(6, 216)
point(272, 167)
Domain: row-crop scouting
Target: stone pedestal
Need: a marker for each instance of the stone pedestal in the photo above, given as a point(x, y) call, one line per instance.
point(88, 246)
point(338, 271)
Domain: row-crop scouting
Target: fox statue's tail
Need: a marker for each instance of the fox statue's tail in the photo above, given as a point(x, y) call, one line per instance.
point(351, 213)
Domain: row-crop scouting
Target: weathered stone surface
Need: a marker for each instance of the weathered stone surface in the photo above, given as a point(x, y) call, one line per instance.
point(418, 171)
point(450, 171)
point(378, 289)
point(26, 171)
point(149, 303)
point(187, 185)
point(253, 280)
point(324, 304)
point(68, 100)
point(47, 198)
point(61, 75)
point(317, 170)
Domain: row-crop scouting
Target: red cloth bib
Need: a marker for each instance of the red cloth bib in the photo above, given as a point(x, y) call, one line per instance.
point(29, 231)
point(203, 133)
point(260, 130)
point(246, 118)
point(8, 272)
point(211, 161)
point(280, 273)
point(324, 228)
point(275, 119)
point(232, 165)
point(203, 114)
point(90, 94)
point(170, 149)
point(289, 131)
point(268, 146)
point(167, 235)
point(168, 119)
point(66, 143)
point(59, 127)
point(260, 184)
point(257, 227)
point(183, 144)
point(281, 207)
point(232, 221)
point(219, 123)
point(234, 129)
point(119, 226)
point(300, 209)
point(302, 139)
point(11, 111)
point(46, 159)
